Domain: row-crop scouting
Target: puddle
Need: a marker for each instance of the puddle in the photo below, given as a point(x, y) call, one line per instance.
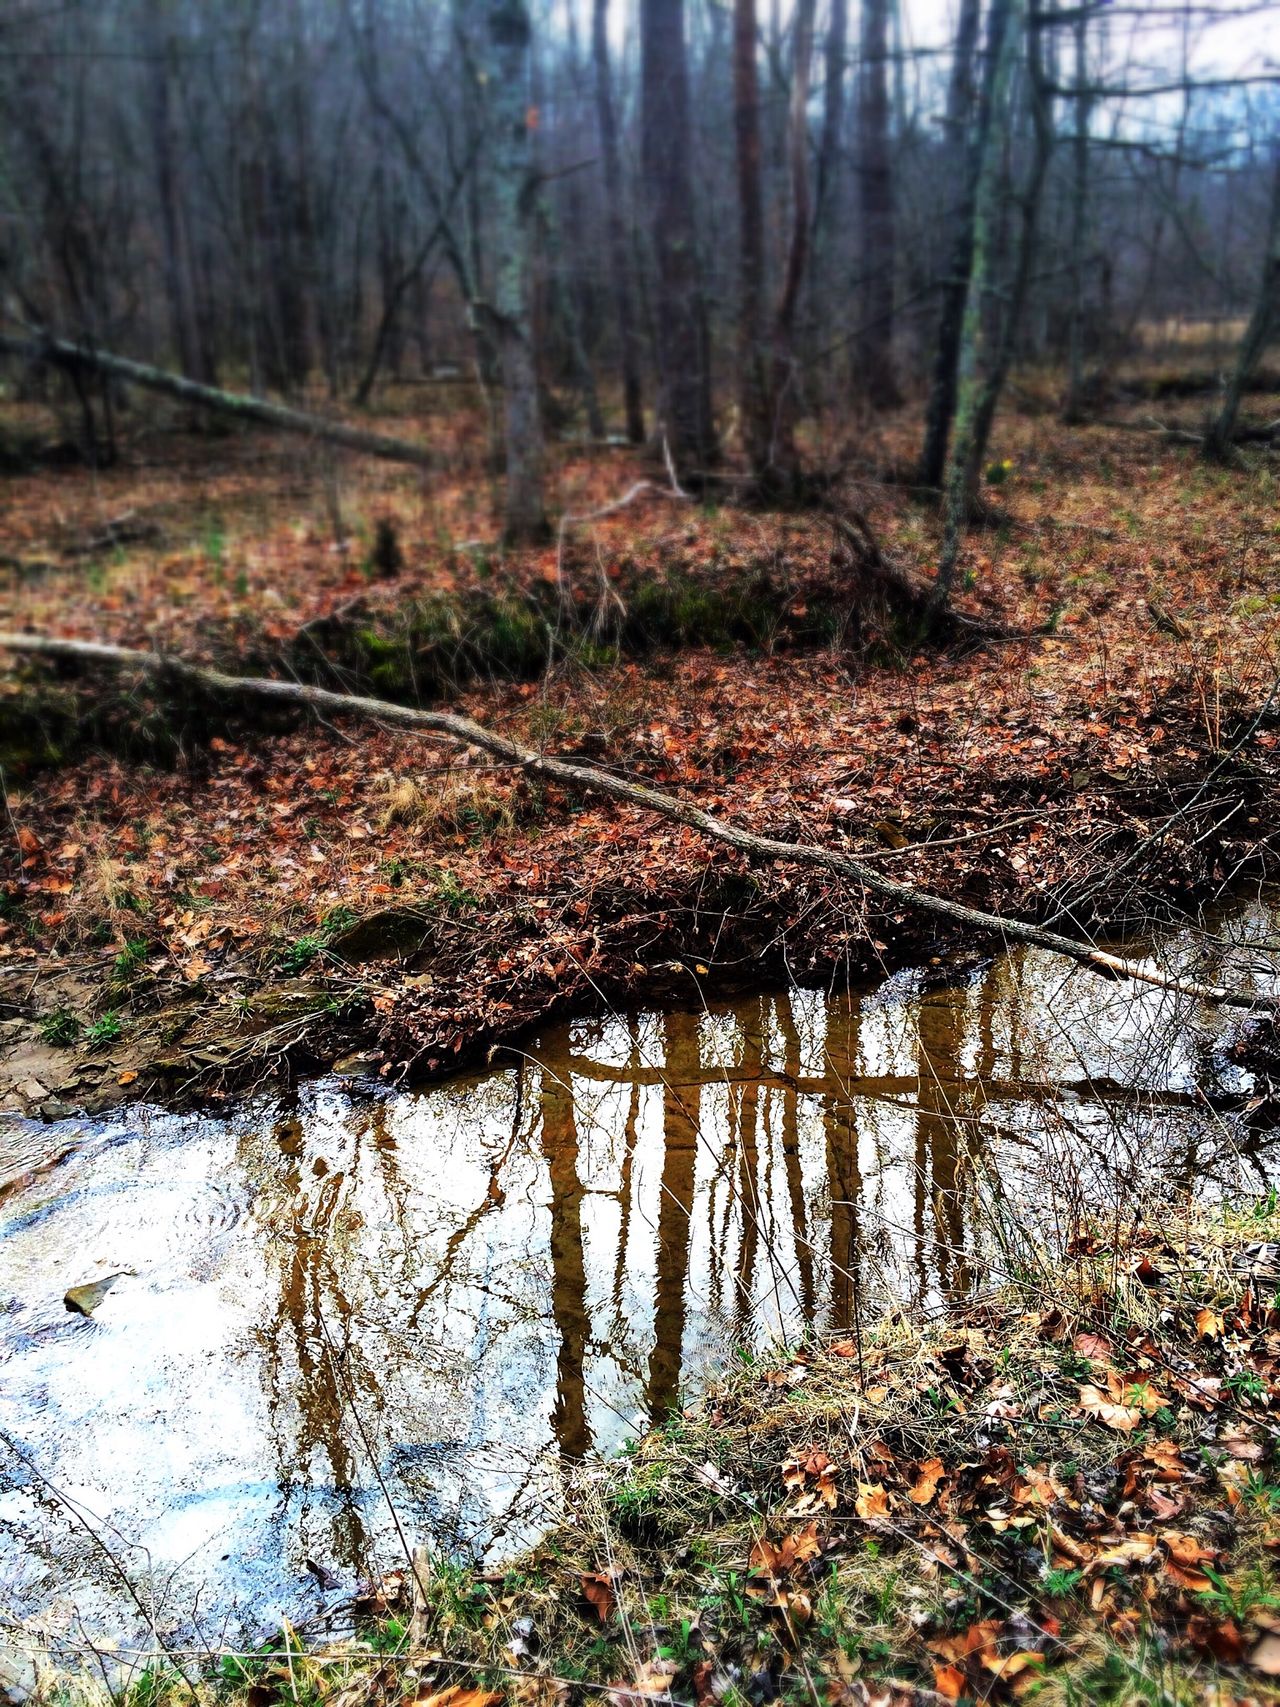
point(345, 1303)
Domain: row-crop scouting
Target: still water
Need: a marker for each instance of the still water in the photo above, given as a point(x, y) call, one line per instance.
point(348, 1301)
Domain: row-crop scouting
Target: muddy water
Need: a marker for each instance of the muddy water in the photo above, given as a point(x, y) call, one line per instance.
point(352, 1301)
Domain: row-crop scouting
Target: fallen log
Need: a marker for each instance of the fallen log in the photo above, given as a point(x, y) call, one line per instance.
point(59, 352)
point(587, 779)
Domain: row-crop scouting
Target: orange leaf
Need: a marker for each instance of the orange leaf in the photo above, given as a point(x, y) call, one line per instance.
point(949, 1682)
point(872, 1501)
point(598, 1592)
point(926, 1485)
point(1095, 1403)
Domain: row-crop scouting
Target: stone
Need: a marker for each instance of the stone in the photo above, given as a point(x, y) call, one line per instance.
point(84, 1300)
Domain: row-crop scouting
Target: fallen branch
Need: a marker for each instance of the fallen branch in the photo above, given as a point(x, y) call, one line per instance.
point(589, 780)
point(59, 352)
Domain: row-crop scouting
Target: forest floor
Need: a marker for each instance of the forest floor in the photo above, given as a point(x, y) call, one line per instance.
point(194, 897)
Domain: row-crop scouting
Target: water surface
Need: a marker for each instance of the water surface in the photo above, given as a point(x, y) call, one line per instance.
point(348, 1301)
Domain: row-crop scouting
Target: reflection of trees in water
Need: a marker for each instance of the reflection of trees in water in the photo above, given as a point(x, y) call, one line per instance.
point(681, 1115)
point(313, 1361)
point(928, 1083)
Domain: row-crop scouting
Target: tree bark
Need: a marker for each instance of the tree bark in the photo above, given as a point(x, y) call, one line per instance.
point(78, 358)
point(966, 137)
point(683, 342)
point(619, 261)
point(510, 42)
point(783, 399)
point(753, 385)
point(875, 181)
point(1006, 18)
point(1262, 324)
point(1073, 405)
point(607, 785)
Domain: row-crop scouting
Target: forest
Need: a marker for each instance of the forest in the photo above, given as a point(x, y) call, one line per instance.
point(639, 955)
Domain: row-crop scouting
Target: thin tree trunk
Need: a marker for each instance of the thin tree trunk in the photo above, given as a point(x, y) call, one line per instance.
point(1073, 406)
point(683, 343)
point(1006, 18)
point(78, 358)
point(875, 179)
point(831, 143)
point(783, 399)
point(1262, 323)
point(1008, 323)
point(177, 277)
point(966, 138)
point(610, 786)
point(619, 266)
point(753, 388)
point(510, 41)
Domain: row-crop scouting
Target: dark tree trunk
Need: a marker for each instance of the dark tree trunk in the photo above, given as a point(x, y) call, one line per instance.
point(875, 181)
point(1262, 324)
point(619, 267)
point(966, 139)
point(187, 344)
point(753, 388)
point(683, 345)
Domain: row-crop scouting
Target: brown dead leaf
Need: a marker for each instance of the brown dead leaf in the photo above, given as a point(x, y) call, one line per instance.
point(598, 1591)
point(458, 1695)
point(1095, 1403)
point(872, 1501)
point(949, 1682)
point(1208, 1324)
point(1096, 1347)
point(926, 1484)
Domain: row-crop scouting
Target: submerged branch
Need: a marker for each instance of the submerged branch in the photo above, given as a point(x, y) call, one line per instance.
point(587, 779)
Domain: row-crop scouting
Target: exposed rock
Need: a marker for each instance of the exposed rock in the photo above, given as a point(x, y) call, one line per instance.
point(84, 1300)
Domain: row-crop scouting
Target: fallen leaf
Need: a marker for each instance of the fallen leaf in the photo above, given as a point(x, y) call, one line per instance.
point(872, 1501)
point(949, 1682)
point(926, 1484)
point(598, 1592)
point(1095, 1403)
point(1096, 1347)
point(1208, 1324)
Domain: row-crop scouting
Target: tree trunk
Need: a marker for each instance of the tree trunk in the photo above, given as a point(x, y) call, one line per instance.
point(619, 266)
point(177, 276)
point(1262, 323)
point(78, 358)
point(1007, 323)
point(510, 42)
point(831, 144)
point(683, 345)
point(875, 180)
point(753, 387)
point(783, 385)
point(1004, 26)
point(1073, 405)
point(966, 139)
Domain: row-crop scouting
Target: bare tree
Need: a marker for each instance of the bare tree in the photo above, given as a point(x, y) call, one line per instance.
point(1262, 325)
point(510, 40)
point(619, 261)
point(681, 331)
point(875, 181)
